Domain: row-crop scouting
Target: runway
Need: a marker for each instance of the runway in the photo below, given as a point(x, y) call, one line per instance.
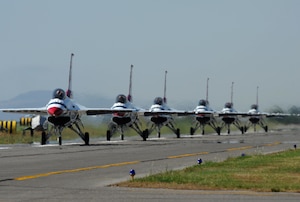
point(73, 172)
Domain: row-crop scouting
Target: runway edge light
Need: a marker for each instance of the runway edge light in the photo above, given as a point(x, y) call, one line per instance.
point(132, 174)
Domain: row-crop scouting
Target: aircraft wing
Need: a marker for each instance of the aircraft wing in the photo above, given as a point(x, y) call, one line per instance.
point(37, 111)
point(267, 114)
point(279, 115)
point(168, 112)
point(86, 111)
point(232, 114)
point(99, 111)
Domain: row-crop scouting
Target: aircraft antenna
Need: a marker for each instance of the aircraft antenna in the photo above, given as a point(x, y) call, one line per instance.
point(232, 93)
point(129, 97)
point(165, 87)
point(207, 90)
point(69, 91)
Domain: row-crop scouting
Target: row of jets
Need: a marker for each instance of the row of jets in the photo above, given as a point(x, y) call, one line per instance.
point(63, 112)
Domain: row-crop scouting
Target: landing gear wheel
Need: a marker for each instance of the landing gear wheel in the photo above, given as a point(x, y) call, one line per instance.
point(178, 133)
point(43, 138)
point(203, 131)
point(59, 140)
point(122, 136)
point(86, 138)
point(218, 130)
point(145, 134)
point(266, 128)
point(192, 131)
point(158, 134)
point(108, 135)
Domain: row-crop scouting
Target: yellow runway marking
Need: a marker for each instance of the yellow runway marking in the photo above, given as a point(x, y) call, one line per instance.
point(74, 170)
point(239, 148)
point(187, 155)
point(272, 144)
point(128, 163)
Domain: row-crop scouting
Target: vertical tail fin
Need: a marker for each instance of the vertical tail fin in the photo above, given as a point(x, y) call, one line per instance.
point(231, 100)
point(69, 91)
point(129, 97)
point(257, 96)
point(165, 87)
point(207, 90)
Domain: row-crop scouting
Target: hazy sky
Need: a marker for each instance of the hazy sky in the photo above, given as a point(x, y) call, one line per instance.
point(251, 43)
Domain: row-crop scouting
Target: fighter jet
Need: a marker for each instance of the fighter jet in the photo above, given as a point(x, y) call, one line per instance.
point(204, 115)
point(162, 115)
point(122, 120)
point(63, 112)
point(230, 116)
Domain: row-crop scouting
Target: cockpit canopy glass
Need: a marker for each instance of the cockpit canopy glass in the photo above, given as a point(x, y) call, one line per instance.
point(228, 105)
point(158, 101)
point(254, 106)
point(121, 98)
point(203, 102)
point(59, 93)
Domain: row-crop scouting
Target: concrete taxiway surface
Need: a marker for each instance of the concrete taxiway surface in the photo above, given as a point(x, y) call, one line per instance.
point(72, 172)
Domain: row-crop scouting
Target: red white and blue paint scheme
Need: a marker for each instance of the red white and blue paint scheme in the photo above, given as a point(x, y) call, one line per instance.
point(122, 120)
point(231, 116)
point(204, 115)
point(62, 111)
point(162, 115)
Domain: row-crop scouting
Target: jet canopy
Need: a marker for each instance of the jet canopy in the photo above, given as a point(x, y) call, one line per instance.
point(254, 106)
point(158, 101)
point(228, 105)
point(121, 98)
point(203, 102)
point(59, 94)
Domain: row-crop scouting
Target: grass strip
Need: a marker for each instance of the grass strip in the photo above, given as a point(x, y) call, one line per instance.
point(278, 172)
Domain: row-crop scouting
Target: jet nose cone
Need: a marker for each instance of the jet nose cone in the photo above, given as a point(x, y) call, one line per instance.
point(55, 111)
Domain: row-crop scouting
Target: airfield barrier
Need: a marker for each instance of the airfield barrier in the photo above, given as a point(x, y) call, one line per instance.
point(8, 126)
point(25, 121)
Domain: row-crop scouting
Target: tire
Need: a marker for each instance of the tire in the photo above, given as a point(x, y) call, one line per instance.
point(192, 131)
point(145, 134)
point(59, 140)
point(108, 135)
point(218, 130)
point(178, 133)
point(43, 138)
point(266, 129)
point(86, 138)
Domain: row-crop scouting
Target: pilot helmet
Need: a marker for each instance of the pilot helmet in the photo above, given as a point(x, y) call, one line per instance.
point(228, 105)
point(121, 98)
point(59, 93)
point(203, 102)
point(158, 101)
point(254, 106)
